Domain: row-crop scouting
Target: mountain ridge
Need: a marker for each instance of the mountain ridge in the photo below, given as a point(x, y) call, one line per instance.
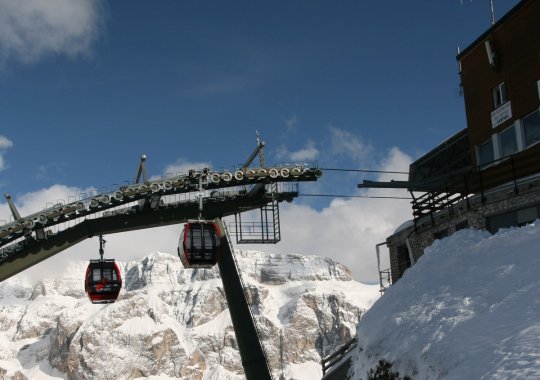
point(174, 323)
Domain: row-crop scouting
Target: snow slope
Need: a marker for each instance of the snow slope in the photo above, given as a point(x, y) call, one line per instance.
point(469, 309)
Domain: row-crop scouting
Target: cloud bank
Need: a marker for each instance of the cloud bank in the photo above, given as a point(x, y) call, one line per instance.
point(5, 144)
point(33, 29)
point(182, 166)
point(348, 229)
point(124, 246)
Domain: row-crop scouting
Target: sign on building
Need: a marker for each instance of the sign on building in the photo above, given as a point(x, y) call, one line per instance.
point(501, 114)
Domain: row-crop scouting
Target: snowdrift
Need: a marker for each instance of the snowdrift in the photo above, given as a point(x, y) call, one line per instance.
point(469, 309)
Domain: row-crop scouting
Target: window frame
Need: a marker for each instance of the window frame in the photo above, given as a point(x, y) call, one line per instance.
point(516, 141)
point(499, 95)
point(483, 165)
point(526, 145)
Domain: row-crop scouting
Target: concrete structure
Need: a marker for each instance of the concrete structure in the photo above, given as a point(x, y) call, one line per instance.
point(499, 207)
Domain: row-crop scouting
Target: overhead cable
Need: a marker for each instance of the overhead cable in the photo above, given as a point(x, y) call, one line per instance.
point(352, 196)
point(364, 171)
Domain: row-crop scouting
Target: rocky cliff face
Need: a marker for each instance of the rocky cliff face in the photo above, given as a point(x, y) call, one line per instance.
point(174, 323)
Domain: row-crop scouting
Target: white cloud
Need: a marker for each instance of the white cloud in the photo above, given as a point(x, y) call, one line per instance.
point(122, 246)
point(395, 161)
point(347, 144)
point(291, 122)
point(51, 170)
point(182, 166)
point(5, 144)
point(308, 153)
point(32, 29)
point(349, 228)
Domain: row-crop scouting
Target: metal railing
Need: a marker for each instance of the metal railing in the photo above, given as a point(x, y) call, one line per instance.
point(335, 358)
point(385, 279)
point(507, 171)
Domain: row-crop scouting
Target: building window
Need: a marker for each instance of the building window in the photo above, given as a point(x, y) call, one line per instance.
point(508, 141)
point(531, 128)
point(512, 218)
point(484, 153)
point(499, 95)
point(527, 215)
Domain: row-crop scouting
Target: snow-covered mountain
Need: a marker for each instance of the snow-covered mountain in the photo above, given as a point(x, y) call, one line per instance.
point(174, 323)
point(468, 309)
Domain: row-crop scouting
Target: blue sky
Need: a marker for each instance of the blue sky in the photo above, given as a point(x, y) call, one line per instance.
point(87, 87)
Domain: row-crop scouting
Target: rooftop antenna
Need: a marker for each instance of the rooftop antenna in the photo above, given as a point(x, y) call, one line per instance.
point(492, 12)
point(459, 73)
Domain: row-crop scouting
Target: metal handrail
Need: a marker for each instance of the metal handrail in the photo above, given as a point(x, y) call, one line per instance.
point(338, 355)
point(485, 177)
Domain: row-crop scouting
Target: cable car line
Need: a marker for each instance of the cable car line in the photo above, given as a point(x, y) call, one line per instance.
point(364, 171)
point(199, 245)
point(103, 280)
point(352, 196)
point(31, 239)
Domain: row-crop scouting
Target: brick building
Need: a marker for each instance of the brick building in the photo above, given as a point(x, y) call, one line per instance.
point(486, 176)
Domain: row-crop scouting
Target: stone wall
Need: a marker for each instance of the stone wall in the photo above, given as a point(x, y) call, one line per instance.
point(472, 212)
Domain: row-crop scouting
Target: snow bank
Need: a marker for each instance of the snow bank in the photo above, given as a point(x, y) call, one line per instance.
point(468, 309)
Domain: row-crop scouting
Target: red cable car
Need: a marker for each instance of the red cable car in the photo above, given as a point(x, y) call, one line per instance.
point(103, 280)
point(199, 245)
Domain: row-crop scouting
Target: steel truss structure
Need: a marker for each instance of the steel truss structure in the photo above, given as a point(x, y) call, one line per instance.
point(31, 239)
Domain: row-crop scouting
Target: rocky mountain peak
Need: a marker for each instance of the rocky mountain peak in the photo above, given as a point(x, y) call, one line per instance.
point(174, 322)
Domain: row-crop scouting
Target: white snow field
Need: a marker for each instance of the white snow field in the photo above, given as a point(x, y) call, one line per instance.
point(469, 309)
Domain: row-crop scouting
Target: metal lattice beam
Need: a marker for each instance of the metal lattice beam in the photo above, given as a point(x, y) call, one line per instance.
point(150, 194)
point(31, 251)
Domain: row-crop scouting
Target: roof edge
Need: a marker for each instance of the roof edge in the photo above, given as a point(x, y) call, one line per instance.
point(502, 20)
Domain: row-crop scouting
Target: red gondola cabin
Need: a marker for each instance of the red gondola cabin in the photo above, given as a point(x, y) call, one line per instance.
point(200, 244)
point(103, 281)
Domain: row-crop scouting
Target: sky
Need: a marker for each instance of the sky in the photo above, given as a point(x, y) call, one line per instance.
point(87, 87)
